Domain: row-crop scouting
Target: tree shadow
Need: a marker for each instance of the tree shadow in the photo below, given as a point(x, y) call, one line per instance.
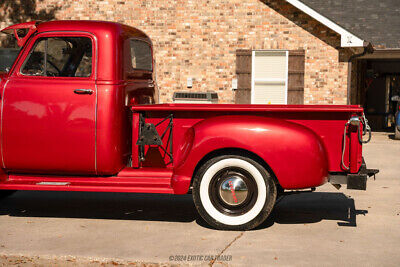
point(26, 10)
point(301, 208)
point(15, 12)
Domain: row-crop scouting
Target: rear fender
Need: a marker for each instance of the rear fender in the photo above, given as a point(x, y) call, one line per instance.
point(293, 152)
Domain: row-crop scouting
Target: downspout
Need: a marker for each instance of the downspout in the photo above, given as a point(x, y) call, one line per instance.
point(367, 50)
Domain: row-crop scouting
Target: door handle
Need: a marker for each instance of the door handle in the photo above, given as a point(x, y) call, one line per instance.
point(83, 91)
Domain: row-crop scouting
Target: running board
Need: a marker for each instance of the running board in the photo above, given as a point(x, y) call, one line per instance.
point(129, 180)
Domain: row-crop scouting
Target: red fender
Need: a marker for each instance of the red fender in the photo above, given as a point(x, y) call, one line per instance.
point(294, 153)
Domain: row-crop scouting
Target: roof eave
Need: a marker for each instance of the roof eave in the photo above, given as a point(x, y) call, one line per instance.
point(347, 38)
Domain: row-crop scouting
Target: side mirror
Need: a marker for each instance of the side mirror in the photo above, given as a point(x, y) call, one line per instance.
point(396, 98)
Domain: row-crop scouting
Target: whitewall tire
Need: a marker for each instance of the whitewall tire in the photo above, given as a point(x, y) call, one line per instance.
point(233, 192)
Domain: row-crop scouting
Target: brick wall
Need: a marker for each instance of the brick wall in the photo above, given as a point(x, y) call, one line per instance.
point(199, 38)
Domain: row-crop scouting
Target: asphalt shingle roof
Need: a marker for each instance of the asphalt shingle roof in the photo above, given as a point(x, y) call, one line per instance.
point(375, 21)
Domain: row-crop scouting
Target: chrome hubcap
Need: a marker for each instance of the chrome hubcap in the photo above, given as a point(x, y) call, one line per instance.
point(233, 190)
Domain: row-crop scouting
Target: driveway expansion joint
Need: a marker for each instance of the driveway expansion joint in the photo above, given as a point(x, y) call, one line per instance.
point(211, 263)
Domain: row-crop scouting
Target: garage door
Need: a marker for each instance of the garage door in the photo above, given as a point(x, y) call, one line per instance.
point(269, 77)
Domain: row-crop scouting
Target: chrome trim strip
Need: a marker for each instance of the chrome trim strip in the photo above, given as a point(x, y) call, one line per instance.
point(95, 131)
point(1, 130)
point(96, 101)
point(53, 183)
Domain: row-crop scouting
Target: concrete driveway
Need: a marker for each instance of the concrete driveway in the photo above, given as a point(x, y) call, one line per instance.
point(327, 227)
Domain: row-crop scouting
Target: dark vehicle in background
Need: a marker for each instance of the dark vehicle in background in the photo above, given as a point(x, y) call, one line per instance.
point(7, 58)
point(397, 117)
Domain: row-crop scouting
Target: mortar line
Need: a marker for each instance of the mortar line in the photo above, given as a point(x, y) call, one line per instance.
point(211, 263)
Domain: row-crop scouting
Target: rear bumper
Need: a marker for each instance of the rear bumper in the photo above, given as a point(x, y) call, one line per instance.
point(356, 181)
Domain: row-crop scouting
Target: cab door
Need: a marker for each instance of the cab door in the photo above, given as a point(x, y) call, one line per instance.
point(49, 107)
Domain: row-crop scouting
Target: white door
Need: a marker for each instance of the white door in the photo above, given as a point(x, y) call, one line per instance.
point(269, 77)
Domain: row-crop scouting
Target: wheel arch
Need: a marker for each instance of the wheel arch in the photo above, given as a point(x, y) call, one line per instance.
point(235, 151)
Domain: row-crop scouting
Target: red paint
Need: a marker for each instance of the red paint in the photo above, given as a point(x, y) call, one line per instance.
point(99, 184)
point(233, 191)
point(71, 125)
point(30, 26)
point(51, 135)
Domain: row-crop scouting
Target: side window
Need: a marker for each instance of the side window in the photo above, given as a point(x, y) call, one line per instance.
point(60, 57)
point(141, 55)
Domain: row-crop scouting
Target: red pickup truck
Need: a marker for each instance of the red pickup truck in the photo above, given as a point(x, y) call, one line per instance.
point(78, 114)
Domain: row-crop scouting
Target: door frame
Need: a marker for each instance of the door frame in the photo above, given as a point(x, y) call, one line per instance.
point(20, 62)
point(16, 71)
point(253, 80)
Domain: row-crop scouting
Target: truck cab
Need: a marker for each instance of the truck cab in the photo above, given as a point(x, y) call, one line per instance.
point(65, 108)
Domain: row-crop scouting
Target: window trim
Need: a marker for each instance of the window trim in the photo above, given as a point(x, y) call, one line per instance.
point(151, 52)
point(59, 34)
point(269, 80)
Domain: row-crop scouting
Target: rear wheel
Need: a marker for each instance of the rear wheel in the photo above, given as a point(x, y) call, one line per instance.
point(233, 193)
point(6, 193)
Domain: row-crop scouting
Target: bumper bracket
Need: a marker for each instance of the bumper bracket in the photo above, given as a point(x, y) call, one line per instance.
point(356, 181)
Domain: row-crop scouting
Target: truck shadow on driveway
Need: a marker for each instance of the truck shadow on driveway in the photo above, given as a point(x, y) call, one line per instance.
point(293, 209)
point(89, 205)
point(304, 208)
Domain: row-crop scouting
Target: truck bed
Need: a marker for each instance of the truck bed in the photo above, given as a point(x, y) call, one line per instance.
point(327, 122)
